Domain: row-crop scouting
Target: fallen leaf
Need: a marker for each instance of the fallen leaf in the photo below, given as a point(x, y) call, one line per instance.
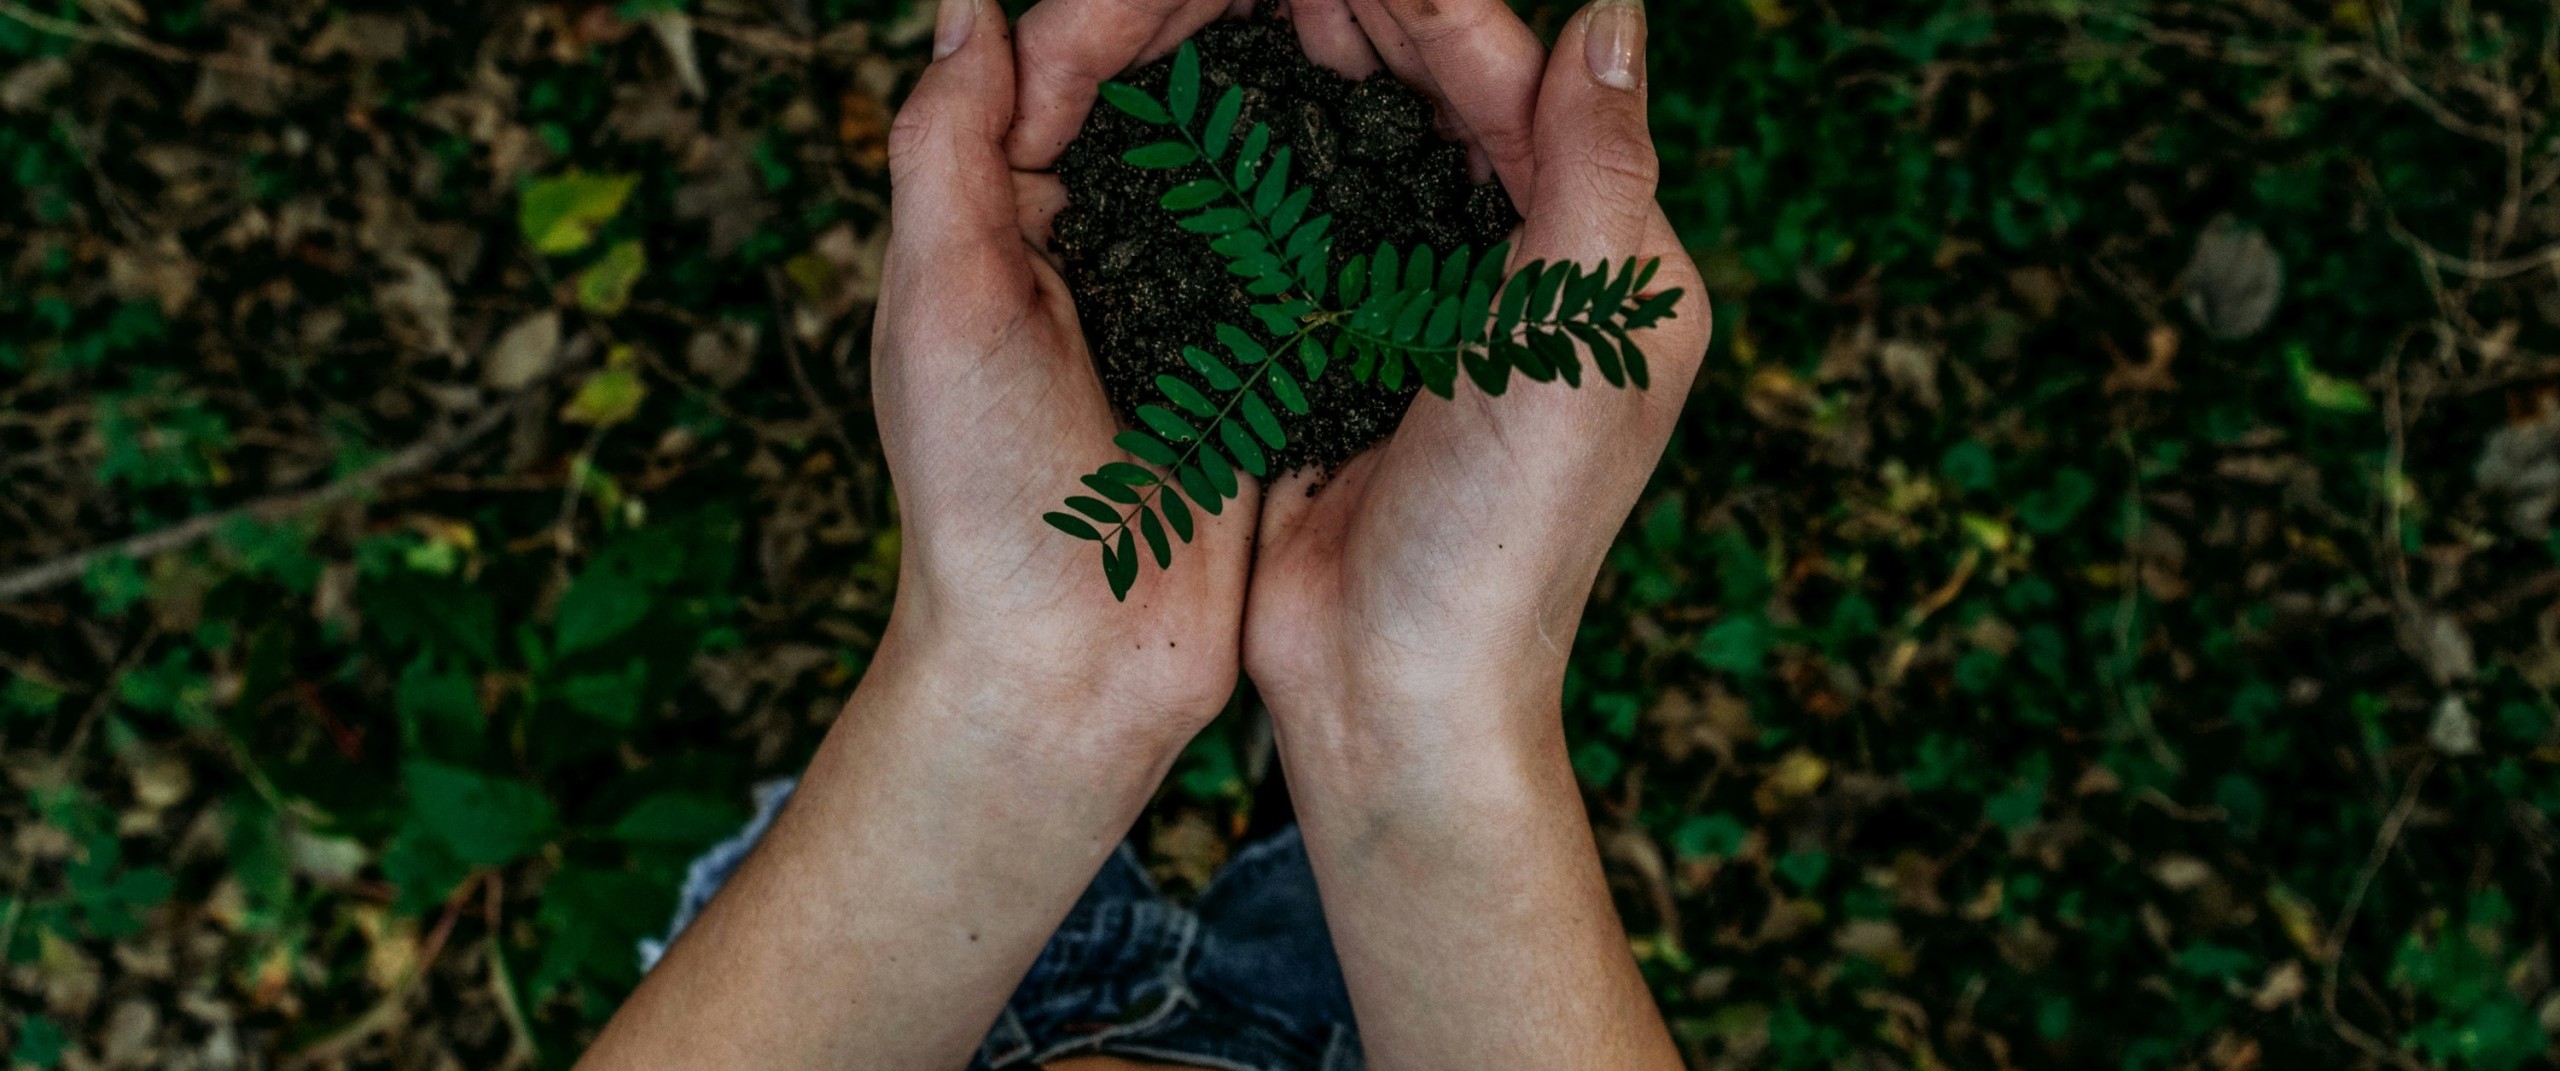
point(607, 398)
point(561, 214)
point(526, 353)
point(2235, 280)
point(605, 287)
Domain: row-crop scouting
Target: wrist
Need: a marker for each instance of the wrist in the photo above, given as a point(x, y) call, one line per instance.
point(1034, 692)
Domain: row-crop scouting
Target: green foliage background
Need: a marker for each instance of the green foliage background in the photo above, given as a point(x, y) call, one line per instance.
point(2026, 657)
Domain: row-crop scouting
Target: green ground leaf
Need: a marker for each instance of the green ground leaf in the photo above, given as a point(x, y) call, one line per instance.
point(483, 820)
point(1221, 127)
point(605, 287)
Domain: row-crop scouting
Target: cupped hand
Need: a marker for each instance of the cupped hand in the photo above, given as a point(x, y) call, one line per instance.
point(1447, 569)
point(989, 409)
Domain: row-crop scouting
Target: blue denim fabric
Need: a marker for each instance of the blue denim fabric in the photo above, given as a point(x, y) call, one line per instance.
point(1244, 980)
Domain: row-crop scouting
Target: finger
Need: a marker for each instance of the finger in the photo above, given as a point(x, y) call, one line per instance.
point(1070, 47)
point(1487, 65)
point(1333, 38)
point(950, 205)
point(1597, 170)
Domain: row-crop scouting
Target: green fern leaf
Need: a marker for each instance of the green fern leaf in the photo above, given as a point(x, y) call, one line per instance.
point(1122, 472)
point(1240, 243)
point(1161, 156)
point(1117, 492)
point(1603, 355)
point(1557, 351)
point(1613, 297)
point(1197, 193)
point(1072, 525)
point(1273, 284)
point(1489, 269)
point(1542, 299)
point(1653, 310)
point(1167, 423)
point(1242, 345)
point(1578, 292)
point(1639, 370)
point(1311, 269)
point(1204, 493)
point(1254, 265)
point(1386, 270)
point(1095, 508)
point(1515, 299)
point(1311, 353)
point(1135, 102)
point(1306, 239)
point(1186, 395)
point(1285, 218)
point(1216, 220)
point(1644, 278)
point(1240, 444)
point(1409, 322)
point(1249, 158)
point(1418, 268)
point(1176, 515)
point(1222, 124)
point(1220, 376)
point(1276, 317)
point(1265, 423)
point(1122, 568)
point(1528, 362)
point(1453, 271)
point(1273, 185)
point(1443, 328)
point(1475, 312)
point(1153, 529)
point(1146, 447)
point(1286, 389)
point(1221, 472)
point(1182, 95)
point(1490, 373)
point(1391, 369)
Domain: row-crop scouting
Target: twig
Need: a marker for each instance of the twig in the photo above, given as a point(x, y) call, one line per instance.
point(2335, 954)
point(818, 406)
point(96, 35)
point(416, 458)
point(521, 1050)
point(385, 1013)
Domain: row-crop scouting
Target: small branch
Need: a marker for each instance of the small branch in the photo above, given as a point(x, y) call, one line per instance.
point(2336, 953)
point(96, 35)
point(416, 458)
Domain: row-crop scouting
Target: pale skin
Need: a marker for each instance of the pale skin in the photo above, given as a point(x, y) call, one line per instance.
point(1407, 625)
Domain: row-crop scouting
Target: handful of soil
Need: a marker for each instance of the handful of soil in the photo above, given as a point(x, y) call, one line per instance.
point(1145, 288)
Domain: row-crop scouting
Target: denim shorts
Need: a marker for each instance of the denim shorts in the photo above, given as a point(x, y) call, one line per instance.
point(1243, 980)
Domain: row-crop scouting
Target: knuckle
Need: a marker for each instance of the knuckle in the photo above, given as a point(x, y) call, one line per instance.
point(1623, 159)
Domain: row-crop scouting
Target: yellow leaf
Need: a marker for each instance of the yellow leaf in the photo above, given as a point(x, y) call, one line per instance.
point(605, 287)
point(607, 398)
point(561, 214)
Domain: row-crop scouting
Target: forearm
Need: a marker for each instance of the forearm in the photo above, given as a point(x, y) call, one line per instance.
point(1464, 891)
point(947, 824)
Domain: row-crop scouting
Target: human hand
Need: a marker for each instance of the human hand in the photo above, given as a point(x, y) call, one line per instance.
point(1429, 592)
point(985, 393)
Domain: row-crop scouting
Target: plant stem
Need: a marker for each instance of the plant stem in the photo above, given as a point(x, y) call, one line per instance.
point(1251, 378)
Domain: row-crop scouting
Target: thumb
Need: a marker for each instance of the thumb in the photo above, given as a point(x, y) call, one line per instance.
point(951, 198)
point(1596, 164)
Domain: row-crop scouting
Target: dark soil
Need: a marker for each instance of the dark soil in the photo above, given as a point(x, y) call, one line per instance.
point(1146, 289)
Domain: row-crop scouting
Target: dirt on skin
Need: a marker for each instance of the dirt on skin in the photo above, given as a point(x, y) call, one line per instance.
point(1145, 288)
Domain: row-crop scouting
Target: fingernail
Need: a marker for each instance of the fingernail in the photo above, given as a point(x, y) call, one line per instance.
point(951, 25)
point(1613, 43)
